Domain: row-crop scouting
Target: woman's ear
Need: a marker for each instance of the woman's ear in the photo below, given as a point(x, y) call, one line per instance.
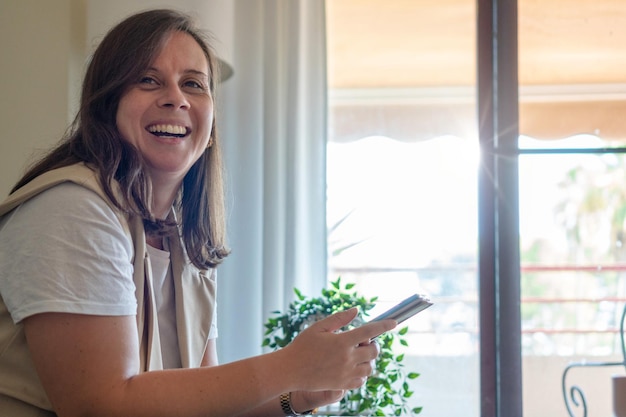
point(212, 136)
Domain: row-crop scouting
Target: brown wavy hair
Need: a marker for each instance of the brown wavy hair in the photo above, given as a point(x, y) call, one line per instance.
point(123, 55)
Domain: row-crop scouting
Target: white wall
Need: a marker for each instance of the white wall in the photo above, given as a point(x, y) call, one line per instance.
point(214, 16)
point(41, 49)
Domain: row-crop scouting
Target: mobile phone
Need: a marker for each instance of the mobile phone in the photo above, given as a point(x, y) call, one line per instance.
point(406, 309)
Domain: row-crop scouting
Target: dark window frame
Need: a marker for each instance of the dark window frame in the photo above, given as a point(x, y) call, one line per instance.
point(498, 198)
point(498, 211)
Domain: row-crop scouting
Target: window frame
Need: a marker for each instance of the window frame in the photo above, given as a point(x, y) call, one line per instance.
point(498, 199)
point(498, 211)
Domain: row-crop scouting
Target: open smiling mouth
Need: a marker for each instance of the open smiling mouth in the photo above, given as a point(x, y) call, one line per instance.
point(171, 131)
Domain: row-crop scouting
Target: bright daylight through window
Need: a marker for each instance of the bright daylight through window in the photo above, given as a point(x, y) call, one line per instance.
point(402, 205)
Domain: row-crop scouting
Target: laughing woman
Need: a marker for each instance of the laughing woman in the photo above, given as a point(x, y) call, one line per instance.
point(108, 253)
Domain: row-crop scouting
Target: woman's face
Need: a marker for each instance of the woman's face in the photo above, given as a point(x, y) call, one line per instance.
point(168, 114)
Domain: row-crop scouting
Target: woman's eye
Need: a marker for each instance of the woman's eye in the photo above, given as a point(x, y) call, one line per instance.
point(147, 80)
point(194, 84)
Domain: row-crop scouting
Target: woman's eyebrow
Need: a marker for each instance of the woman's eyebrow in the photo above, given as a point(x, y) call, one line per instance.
point(197, 72)
point(187, 71)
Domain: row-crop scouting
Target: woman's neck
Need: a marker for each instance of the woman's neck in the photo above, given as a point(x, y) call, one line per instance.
point(164, 191)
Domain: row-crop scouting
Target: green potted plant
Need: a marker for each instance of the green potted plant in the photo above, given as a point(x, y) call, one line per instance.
point(387, 391)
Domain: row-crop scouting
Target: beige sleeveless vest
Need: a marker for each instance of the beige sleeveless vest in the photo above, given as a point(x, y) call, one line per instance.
point(21, 393)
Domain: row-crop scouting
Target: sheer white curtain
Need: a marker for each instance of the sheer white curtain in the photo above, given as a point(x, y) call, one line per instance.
point(273, 129)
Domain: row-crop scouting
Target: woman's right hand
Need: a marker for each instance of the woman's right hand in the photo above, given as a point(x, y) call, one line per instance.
point(323, 358)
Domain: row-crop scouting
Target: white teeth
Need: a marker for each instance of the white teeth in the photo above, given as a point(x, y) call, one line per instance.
point(170, 129)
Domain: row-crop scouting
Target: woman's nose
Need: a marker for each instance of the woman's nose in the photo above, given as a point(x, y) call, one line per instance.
point(173, 97)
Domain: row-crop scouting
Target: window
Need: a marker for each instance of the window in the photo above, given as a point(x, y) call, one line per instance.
point(402, 179)
point(529, 219)
point(571, 200)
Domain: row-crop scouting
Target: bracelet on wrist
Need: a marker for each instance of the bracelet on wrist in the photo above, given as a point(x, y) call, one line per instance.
point(285, 404)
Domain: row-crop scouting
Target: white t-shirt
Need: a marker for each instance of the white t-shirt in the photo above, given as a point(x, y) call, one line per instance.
point(65, 250)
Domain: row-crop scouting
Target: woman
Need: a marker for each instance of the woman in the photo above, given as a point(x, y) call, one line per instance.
point(109, 245)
